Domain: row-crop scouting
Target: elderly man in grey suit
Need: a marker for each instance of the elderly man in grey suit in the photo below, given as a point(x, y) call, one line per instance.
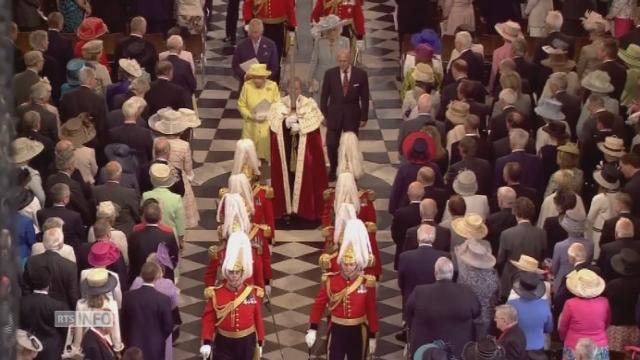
point(22, 82)
point(522, 239)
point(424, 118)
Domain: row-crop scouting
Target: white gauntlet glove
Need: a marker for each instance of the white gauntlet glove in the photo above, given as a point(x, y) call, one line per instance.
point(372, 346)
point(310, 338)
point(360, 45)
point(292, 37)
point(290, 120)
point(205, 351)
point(295, 128)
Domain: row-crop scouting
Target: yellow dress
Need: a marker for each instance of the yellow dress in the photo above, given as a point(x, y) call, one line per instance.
point(258, 131)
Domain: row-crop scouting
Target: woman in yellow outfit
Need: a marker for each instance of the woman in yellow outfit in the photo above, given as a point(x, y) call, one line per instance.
point(256, 97)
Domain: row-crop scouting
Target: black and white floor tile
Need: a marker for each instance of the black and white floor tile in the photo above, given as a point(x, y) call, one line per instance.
point(295, 256)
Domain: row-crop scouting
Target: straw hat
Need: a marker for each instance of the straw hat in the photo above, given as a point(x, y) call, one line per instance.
point(171, 122)
point(423, 73)
point(569, 148)
point(633, 119)
point(471, 226)
point(457, 112)
point(103, 253)
point(98, 281)
point(527, 264)
point(465, 183)
point(593, 21)
point(630, 55)
point(327, 23)
point(476, 253)
point(258, 70)
point(613, 146)
point(162, 175)
point(131, 67)
point(509, 30)
point(91, 28)
point(427, 37)
point(550, 109)
point(93, 47)
point(529, 286)
point(558, 58)
point(573, 220)
point(79, 130)
point(25, 149)
point(608, 177)
point(28, 341)
point(597, 81)
point(484, 349)
point(585, 284)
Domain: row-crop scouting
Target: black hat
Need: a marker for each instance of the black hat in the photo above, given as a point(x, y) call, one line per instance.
point(626, 262)
point(529, 286)
point(39, 278)
point(19, 197)
point(557, 129)
point(485, 349)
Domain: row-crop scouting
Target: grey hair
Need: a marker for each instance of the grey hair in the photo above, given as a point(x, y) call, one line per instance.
point(464, 39)
point(559, 79)
point(86, 74)
point(38, 40)
point(40, 91)
point(52, 222)
point(509, 312)
point(59, 191)
point(554, 19)
point(624, 228)
point(585, 349)
point(443, 269)
point(53, 239)
point(133, 105)
point(256, 22)
point(175, 42)
point(518, 138)
point(426, 234)
point(577, 251)
point(506, 196)
point(140, 84)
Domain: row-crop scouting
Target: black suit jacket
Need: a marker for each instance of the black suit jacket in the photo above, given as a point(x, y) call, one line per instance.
point(618, 74)
point(37, 316)
point(571, 108)
point(164, 93)
point(484, 150)
point(480, 167)
point(138, 138)
point(95, 348)
point(450, 93)
point(632, 187)
point(82, 100)
point(182, 73)
point(149, 320)
point(416, 267)
point(608, 233)
point(135, 47)
point(632, 37)
point(439, 195)
point(498, 222)
point(143, 243)
point(607, 251)
point(442, 241)
point(502, 147)
point(78, 201)
point(481, 110)
point(52, 71)
point(60, 48)
point(64, 276)
point(404, 218)
point(526, 69)
point(73, 230)
point(41, 162)
point(475, 66)
point(345, 112)
point(498, 124)
point(48, 121)
point(555, 234)
point(514, 343)
point(128, 201)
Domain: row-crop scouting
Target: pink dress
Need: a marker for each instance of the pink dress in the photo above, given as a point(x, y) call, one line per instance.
point(499, 54)
point(585, 318)
point(180, 158)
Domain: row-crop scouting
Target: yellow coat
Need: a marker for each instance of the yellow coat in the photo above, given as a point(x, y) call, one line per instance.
point(258, 131)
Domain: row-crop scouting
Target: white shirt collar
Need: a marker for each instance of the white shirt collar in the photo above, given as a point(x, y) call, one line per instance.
point(149, 285)
point(43, 292)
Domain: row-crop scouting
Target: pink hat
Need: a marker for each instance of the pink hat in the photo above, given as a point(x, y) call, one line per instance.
point(103, 253)
point(91, 28)
point(424, 53)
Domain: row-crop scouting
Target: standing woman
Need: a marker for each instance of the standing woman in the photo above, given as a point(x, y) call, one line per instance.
point(537, 11)
point(325, 50)
point(458, 14)
point(622, 13)
point(602, 207)
point(73, 12)
point(256, 97)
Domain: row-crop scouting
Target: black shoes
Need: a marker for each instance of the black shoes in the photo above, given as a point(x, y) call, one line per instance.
point(230, 40)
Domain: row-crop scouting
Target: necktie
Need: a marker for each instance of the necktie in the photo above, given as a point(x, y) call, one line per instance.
point(345, 83)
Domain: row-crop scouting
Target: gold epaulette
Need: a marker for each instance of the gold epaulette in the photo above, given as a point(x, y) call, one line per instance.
point(220, 232)
point(266, 230)
point(326, 275)
point(259, 291)
point(327, 231)
point(370, 280)
point(222, 192)
point(325, 261)
point(371, 227)
point(327, 193)
point(210, 291)
point(370, 194)
point(213, 252)
point(268, 192)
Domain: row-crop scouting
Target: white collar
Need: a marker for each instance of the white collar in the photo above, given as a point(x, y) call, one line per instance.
point(136, 35)
point(104, 337)
point(149, 285)
point(43, 292)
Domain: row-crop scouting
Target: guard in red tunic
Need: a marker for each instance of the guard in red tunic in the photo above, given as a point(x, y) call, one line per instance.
point(278, 16)
point(232, 318)
point(351, 299)
point(350, 10)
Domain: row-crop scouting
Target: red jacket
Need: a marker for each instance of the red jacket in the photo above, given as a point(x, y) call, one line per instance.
point(344, 9)
point(329, 258)
point(270, 11)
point(366, 213)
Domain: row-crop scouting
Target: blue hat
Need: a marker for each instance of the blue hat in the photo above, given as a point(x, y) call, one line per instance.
point(73, 69)
point(429, 37)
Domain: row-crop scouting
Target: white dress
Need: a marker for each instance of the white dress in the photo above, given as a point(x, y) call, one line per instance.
point(601, 209)
point(537, 11)
point(458, 13)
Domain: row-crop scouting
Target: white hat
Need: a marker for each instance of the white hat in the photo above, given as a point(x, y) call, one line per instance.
point(171, 122)
point(355, 247)
point(423, 72)
point(465, 183)
point(162, 175)
point(345, 213)
point(585, 283)
point(550, 109)
point(598, 81)
point(131, 67)
point(232, 213)
point(238, 255)
point(509, 30)
point(470, 226)
point(25, 149)
point(349, 155)
point(245, 159)
point(476, 253)
point(327, 23)
point(593, 21)
point(613, 146)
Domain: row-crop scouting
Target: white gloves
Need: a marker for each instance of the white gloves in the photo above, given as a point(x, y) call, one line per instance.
point(372, 346)
point(310, 338)
point(260, 117)
point(267, 291)
point(315, 86)
point(295, 128)
point(290, 120)
point(360, 45)
point(259, 352)
point(292, 37)
point(205, 351)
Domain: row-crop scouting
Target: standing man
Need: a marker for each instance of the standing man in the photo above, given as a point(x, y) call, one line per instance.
point(278, 17)
point(258, 47)
point(344, 102)
point(136, 47)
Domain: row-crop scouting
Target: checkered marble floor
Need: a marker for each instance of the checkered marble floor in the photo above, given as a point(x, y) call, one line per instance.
point(295, 256)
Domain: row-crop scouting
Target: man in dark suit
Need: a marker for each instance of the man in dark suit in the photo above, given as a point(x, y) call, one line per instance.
point(74, 232)
point(14, 54)
point(632, 37)
point(144, 242)
point(481, 110)
point(158, 13)
point(259, 47)
point(136, 47)
point(440, 195)
point(148, 314)
point(60, 47)
point(423, 119)
point(571, 105)
point(428, 213)
point(630, 168)
point(37, 314)
point(502, 147)
point(182, 72)
point(344, 102)
point(530, 164)
point(480, 167)
point(512, 338)
point(64, 273)
point(459, 70)
point(40, 94)
point(572, 12)
point(498, 124)
point(443, 310)
point(472, 130)
point(77, 200)
point(591, 155)
point(95, 346)
point(406, 217)
point(163, 93)
point(624, 240)
point(39, 40)
point(475, 62)
point(127, 199)
point(608, 53)
point(162, 150)
point(524, 68)
point(502, 219)
point(511, 174)
point(30, 128)
point(622, 206)
point(139, 139)
point(22, 82)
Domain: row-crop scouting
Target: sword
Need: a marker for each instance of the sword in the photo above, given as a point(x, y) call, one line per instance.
point(275, 325)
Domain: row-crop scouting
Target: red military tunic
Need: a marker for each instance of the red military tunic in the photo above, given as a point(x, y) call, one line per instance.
point(329, 258)
point(344, 9)
point(263, 204)
point(366, 213)
point(270, 11)
point(221, 317)
point(354, 307)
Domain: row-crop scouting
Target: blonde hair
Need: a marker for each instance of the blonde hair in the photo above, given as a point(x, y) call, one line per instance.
point(564, 180)
point(511, 80)
point(437, 140)
point(567, 160)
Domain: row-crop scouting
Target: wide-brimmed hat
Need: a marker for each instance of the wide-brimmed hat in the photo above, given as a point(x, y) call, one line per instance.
point(418, 147)
point(423, 53)
point(98, 281)
point(465, 183)
point(78, 130)
point(573, 220)
point(91, 28)
point(162, 175)
point(327, 23)
point(28, 341)
point(19, 196)
point(73, 71)
point(630, 55)
point(509, 30)
point(597, 81)
point(25, 149)
point(93, 47)
point(569, 148)
point(457, 112)
point(556, 129)
point(585, 283)
point(593, 21)
point(103, 253)
point(171, 122)
point(258, 70)
point(550, 109)
point(423, 73)
point(557, 53)
point(484, 349)
point(633, 119)
point(612, 146)
point(470, 226)
point(608, 177)
point(626, 262)
point(131, 67)
point(527, 264)
point(529, 285)
point(476, 253)
point(428, 37)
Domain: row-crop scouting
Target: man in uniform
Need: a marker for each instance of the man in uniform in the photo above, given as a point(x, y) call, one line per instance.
point(232, 317)
point(351, 298)
point(277, 16)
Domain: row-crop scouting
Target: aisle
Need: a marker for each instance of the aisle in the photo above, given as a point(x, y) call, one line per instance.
point(295, 255)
